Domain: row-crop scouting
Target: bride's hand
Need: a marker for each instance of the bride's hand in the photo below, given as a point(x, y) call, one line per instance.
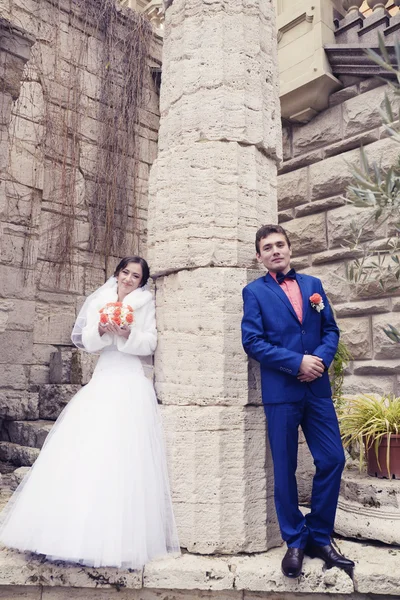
point(114, 329)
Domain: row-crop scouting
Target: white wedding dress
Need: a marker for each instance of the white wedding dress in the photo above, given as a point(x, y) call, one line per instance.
point(99, 494)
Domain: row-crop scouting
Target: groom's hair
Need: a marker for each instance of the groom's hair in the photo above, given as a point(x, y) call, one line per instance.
point(266, 230)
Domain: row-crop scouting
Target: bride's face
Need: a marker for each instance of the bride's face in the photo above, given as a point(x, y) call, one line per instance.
point(129, 278)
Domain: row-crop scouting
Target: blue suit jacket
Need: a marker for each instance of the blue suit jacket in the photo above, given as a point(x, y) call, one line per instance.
point(273, 335)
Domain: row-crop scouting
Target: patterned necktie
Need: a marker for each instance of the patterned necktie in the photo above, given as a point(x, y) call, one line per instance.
point(280, 277)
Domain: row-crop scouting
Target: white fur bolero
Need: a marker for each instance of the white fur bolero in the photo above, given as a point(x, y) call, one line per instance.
point(142, 340)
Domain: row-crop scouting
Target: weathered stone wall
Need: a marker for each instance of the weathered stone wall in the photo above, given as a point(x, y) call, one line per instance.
point(50, 113)
point(312, 208)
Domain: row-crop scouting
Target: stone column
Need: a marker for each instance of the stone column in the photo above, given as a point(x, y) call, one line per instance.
point(212, 185)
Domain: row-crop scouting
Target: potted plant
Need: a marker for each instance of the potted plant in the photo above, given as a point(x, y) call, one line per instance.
point(374, 422)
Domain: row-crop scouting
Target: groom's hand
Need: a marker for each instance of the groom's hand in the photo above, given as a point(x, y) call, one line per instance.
point(311, 367)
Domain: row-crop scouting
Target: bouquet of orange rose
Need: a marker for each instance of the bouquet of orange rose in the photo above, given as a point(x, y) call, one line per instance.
point(118, 313)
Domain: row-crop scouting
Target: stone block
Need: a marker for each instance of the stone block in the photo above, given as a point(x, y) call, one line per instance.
point(18, 476)
point(16, 569)
point(340, 221)
point(383, 346)
point(376, 568)
point(366, 307)
point(307, 234)
point(356, 334)
point(49, 229)
point(286, 142)
point(301, 161)
point(94, 58)
point(22, 204)
point(342, 95)
point(363, 113)
point(22, 456)
point(189, 573)
point(206, 202)
point(14, 283)
point(30, 104)
point(38, 375)
point(52, 278)
point(26, 433)
point(53, 324)
point(6, 102)
point(90, 84)
point(58, 182)
point(13, 245)
point(286, 215)
point(14, 376)
point(220, 482)
point(329, 177)
point(88, 158)
point(69, 365)
point(377, 367)
point(11, 69)
point(200, 359)
point(333, 279)
point(373, 384)
point(323, 130)
point(16, 347)
point(356, 141)
point(53, 398)
point(293, 189)
point(319, 206)
point(338, 254)
point(26, 164)
point(19, 405)
point(301, 262)
point(262, 573)
point(17, 315)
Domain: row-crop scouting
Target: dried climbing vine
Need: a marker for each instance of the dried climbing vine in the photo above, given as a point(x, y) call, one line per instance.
point(94, 178)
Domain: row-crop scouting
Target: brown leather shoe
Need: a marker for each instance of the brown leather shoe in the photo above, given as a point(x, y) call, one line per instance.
point(330, 556)
point(292, 562)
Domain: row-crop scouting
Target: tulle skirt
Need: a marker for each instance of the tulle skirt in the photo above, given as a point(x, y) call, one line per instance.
point(99, 494)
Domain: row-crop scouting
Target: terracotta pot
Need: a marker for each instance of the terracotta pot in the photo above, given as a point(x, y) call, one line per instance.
point(381, 470)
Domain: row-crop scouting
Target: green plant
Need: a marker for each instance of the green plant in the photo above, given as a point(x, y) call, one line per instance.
point(336, 372)
point(377, 189)
point(392, 333)
point(366, 419)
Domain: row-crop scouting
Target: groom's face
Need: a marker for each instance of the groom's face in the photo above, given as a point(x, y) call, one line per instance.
point(275, 253)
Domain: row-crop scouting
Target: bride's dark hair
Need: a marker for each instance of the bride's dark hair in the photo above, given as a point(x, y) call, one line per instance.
point(134, 259)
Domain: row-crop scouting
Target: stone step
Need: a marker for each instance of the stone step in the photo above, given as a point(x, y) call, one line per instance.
point(368, 508)
point(26, 433)
point(20, 456)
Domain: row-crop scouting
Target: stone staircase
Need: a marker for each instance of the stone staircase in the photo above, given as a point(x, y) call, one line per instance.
point(356, 32)
point(21, 443)
point(22, 439)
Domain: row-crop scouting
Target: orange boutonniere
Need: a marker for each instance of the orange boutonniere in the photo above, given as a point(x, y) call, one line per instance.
point(317, 302)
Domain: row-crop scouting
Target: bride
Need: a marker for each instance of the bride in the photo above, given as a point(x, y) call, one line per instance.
point(99, 494)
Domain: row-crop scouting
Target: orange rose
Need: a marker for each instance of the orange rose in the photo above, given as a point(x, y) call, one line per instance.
point(117, 303)
point(117, 312)
point(316, 298)
point(129, 318)
point(103, 319)
point(101, 310)
point(117, 320)
point(130, 308)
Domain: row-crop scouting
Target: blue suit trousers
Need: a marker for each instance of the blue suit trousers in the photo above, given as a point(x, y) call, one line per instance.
point(317, 418)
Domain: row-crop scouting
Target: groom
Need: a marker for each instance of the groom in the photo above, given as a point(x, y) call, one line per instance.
point(289, 328)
